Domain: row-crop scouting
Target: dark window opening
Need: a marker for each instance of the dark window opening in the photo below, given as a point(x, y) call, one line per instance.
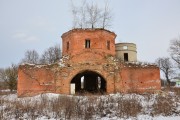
point(125, 57)
point(87, 44)
point(67, 45)
point(108, 45)
point(89, 81)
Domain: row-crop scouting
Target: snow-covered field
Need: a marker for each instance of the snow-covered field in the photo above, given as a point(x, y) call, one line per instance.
point(107, 107)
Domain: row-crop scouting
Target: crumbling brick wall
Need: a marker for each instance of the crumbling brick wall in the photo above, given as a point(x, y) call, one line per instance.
point(34, 80)
point(140, 78)
point(98, 37)
point(56, 78)
point(99, 58)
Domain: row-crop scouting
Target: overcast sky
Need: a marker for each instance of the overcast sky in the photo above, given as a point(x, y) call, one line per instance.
point(39, 24)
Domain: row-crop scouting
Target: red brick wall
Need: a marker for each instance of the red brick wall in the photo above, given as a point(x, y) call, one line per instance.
point(55, 78)
point(140, 79)
point(98, 38)
point(34, 80)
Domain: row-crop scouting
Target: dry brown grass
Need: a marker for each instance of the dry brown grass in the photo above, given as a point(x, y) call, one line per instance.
point(176, 91)
point(128, 107)
point(164, 105)
point(85, 107)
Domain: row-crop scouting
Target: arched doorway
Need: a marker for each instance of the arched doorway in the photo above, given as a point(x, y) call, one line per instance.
point(89, 81)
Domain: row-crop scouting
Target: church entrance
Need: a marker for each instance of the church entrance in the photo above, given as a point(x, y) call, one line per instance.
point(88, 81)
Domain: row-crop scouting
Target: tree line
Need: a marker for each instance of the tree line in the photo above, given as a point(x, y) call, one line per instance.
point(50, 56)
point(9, 76)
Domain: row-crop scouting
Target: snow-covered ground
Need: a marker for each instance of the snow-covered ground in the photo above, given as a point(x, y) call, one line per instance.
point(106, 107)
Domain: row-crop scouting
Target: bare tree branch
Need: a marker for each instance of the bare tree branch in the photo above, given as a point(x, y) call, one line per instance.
point(74, 11)
point(175, 50)
point(166, 67)
point(10, 75)
point(106, 16)
point(51, 55)
point(91, 16)
point(31, 56)
point(94, 15)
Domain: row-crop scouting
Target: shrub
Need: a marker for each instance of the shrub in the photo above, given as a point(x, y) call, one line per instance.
point(177, 91)
point(163, 105)
point(128, 107)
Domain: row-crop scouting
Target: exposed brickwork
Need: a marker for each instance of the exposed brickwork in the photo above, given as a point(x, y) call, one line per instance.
point(56, 78)
point(98, 38)
point(140, 78)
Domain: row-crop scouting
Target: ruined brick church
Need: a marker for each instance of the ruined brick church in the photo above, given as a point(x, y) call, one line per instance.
point(91, 62)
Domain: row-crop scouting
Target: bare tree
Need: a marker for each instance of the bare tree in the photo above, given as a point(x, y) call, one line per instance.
point(166, 67)
point(1, 71)
point(74, 11)
point(31, 56)
point(51, 55)
point(79, 15)
point(175, 50)
point(91, 16)
point(10, 75)
point(106, 16)
point(94, 15)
